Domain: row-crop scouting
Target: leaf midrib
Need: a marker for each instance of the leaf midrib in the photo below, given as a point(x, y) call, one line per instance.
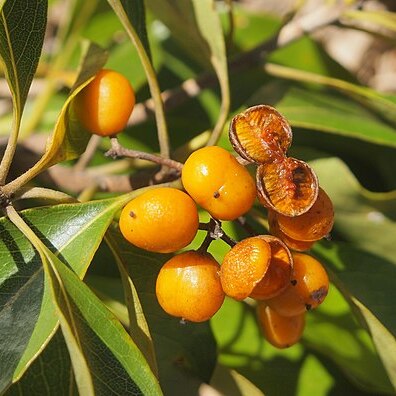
point(11, 52)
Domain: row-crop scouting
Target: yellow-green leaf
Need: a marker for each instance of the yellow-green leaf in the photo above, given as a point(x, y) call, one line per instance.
point(69, 139)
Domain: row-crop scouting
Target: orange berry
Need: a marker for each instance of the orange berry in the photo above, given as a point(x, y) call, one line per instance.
point(291, 243)
point(288, 186)
point(260, 134)
point(219, 183)
point(244, 266)
point(312, 225)
point(105, 104)
point(308, 288)
point(160, 220)
point(188, 286)
point(280, 331)
point(278, 275)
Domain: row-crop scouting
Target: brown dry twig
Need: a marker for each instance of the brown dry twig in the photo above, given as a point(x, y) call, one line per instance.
point(117, 150)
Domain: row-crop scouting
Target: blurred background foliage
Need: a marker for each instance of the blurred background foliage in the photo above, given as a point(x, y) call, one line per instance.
point(337, 87)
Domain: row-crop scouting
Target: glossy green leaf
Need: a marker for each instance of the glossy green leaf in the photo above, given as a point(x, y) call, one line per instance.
point(111, 292)
point(366, 219)
point(137, 15)
point(211, 31)
point(201, 35)
point(325, 112)
point(22, 29)
point(102, 28)
point(185, 352)
point(27, 314)
point(50, 373)
point(367, 281)
point(180, 17)
point(230, 382)
point(383, 104)
point(130, 22)
point(20, 49)
point(104, 357)
point(353, 352)
point(138, 327)
point(69, 139)
point(288, 372)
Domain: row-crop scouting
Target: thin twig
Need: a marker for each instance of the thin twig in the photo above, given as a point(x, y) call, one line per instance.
point(117, 150)
point(205, 243)
point(228, 240)
point(214, 232)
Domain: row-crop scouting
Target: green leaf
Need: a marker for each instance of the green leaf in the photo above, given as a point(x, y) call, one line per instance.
point(325, 112)
point(354, 352)
point(104, 357)
point(27, 315)
point(186, 352)
point(251, 28)
point(366, 219)
point(306, 54)
point(180, 17)
point(230, 382)
point(22, 29)
point(136, 13)
point(275, 372)
point(51, 373)
point(128, 20)
point(102, 28)
point(138, 327)
point(383, 104)
point(111, 292)
point(69, 139)
point(202, 37)
point(367, 281)
point(211, 31)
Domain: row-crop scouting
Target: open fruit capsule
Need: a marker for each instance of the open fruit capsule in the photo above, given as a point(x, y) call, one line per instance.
point(289, 187)
point(244, 266)
point(278, 275)
point(260, 134)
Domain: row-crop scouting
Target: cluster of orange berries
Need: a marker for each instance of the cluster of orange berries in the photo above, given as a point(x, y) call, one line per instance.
point(192, 285)
point(286, 285)
point(299, 211)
